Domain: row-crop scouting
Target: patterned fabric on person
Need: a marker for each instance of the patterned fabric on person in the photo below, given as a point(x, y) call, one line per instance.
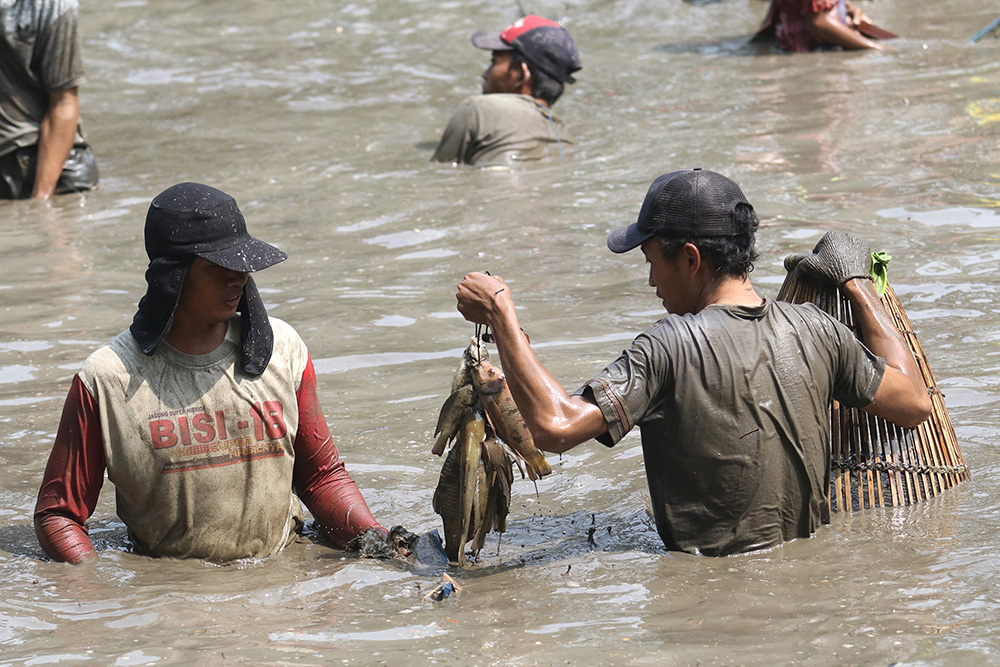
point(789, 18)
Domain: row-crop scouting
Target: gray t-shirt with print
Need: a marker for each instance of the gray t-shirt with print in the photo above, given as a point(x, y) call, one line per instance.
point(201, 454)
point(733, 407)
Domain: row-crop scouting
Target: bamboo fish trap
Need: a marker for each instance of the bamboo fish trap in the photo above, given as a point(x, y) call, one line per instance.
point(876, 463)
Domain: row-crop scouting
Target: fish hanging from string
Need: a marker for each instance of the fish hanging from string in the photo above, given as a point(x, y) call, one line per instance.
point(480, 417)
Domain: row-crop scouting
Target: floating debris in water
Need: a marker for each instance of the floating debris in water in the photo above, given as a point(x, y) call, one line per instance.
point(443, 590)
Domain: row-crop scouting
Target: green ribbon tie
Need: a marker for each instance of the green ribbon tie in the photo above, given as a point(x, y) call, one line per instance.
point(880, 270)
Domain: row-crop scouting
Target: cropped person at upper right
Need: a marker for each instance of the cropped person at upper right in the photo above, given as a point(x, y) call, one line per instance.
point(812, 25)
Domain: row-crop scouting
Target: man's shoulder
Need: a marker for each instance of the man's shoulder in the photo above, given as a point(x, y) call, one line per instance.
point(665, 333)
point(285, 332)
point(40, 12)
point(806, 309)
point(501, 103)
point(730, 317)
point(807, 312)
point(288, 344)
point(110, 358)
point(501, 129)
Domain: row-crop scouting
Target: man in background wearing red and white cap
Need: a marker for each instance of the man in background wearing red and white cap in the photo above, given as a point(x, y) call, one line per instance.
point(512, 121)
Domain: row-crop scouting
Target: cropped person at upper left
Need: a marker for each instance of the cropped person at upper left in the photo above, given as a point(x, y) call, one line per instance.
point(204, 412)
point(42, 148)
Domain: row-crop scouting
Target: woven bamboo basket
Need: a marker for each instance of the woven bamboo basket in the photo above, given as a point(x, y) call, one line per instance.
point(876, 463)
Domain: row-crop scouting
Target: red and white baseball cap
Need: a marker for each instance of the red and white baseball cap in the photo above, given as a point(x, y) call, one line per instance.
point(542, 43)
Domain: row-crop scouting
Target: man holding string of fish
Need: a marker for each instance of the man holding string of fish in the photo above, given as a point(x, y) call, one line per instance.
point(731, 391)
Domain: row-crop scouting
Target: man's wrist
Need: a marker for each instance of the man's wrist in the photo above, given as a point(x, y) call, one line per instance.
point(502, 313)
point(857, 284)
point(505, 325)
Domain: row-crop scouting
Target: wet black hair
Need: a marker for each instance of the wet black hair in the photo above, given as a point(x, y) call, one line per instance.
point(727, 255)
point(543, 86)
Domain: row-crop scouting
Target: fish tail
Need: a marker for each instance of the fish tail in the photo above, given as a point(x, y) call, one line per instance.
point(537, 465)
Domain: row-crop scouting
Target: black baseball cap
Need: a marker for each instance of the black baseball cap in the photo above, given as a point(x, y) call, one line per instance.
point(194, 219)
point(686, 203)
point(543, 44)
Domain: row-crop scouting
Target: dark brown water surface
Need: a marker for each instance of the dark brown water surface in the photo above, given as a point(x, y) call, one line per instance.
point(319, 118)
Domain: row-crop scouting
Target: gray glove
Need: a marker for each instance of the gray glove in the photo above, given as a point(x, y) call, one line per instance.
point(837, 258)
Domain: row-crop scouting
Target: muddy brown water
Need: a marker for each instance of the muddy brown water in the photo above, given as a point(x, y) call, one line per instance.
point(319, 118)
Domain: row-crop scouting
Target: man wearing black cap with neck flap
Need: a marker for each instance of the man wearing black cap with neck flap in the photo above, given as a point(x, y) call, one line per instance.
point(204, 412)
point(512, 121)
point(731, 391)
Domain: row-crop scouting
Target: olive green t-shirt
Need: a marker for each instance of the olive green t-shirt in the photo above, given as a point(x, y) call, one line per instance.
point(502, 129)
point(733, 407)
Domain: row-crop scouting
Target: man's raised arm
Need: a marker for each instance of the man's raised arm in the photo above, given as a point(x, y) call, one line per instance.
point(557, 421)
point(844, 260)
point(902, 396)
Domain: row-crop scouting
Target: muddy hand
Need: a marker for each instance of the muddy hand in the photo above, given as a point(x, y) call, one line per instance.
point(374, 543)
point(401, 541)
point(481, 296)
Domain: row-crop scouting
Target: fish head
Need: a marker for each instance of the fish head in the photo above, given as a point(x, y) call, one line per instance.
point(476, 351)
point(487, 378)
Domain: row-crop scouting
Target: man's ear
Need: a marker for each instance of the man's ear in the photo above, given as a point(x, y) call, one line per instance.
point(692, 254)
point(525, 78)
